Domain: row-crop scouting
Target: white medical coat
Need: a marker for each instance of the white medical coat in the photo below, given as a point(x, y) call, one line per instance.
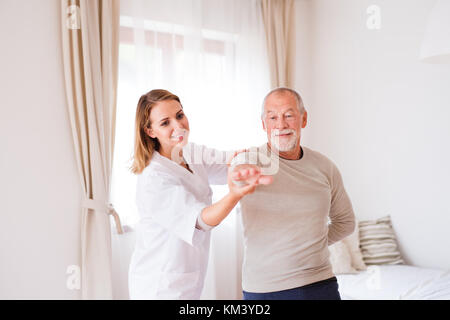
point(171, 256)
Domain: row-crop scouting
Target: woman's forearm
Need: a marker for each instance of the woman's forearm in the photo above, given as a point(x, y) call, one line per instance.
point(215, 213)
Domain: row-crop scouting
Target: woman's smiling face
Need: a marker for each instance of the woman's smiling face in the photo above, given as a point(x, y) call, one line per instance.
point(169, 125)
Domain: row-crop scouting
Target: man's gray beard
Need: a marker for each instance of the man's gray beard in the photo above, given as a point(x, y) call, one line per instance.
point(287, 146)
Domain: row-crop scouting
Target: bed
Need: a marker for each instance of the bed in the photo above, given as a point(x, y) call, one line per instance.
point(395, 282)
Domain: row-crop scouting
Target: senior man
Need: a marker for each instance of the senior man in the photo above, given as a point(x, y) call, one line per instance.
point(289, 224)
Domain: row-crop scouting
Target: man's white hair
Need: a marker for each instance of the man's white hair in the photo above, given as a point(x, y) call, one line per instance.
point(281, 90)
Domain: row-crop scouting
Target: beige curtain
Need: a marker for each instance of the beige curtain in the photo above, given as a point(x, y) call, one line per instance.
point(90, 33)
point(279, 24)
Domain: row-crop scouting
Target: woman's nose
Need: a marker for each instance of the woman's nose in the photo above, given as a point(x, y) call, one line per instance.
point(179, 125)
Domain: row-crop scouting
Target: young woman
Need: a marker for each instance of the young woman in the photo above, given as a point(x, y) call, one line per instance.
point(174, 201)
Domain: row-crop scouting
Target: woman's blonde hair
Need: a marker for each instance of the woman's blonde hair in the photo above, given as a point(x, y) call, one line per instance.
point(144, 145)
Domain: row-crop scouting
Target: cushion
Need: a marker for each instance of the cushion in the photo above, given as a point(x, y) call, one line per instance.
point(345, 255)
point(340, 258)
point(378, 242)
point(352, 242)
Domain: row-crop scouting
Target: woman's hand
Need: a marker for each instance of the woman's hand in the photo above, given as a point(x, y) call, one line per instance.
point(243, 179)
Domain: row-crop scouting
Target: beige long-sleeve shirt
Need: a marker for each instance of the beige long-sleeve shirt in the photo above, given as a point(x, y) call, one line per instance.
point(289, 224)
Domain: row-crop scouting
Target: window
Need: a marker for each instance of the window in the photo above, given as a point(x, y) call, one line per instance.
point(219, 75)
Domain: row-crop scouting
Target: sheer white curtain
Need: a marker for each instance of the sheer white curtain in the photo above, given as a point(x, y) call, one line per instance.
point(212, 54)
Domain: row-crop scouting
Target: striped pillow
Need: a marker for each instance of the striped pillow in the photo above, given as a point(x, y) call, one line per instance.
point(378, 242)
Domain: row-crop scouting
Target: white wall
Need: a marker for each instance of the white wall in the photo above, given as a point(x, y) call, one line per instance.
point(39, 187)
point(382, 116)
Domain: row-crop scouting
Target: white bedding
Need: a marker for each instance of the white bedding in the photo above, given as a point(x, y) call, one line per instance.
point(393, 282)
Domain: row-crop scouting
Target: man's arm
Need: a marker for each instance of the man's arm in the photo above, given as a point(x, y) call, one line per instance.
point(341, 211)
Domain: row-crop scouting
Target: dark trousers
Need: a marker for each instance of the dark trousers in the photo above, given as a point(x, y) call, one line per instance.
point(321, 290)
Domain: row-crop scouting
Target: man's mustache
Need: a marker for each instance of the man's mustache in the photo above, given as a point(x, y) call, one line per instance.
point(276, 132)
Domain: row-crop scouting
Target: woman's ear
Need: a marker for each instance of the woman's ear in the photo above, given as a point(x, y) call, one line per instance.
point(149, 132)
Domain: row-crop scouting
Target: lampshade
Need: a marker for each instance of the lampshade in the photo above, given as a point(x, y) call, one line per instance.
point(436, 44)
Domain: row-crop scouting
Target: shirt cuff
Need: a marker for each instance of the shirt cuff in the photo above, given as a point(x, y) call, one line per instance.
point(202, 224)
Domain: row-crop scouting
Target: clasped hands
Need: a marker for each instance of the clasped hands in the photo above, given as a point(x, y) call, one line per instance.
point(244, 178)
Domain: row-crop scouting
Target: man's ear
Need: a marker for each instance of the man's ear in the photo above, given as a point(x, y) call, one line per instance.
point(263, 124)
point(305, 119)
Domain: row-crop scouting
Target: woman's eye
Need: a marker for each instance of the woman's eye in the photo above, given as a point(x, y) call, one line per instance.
point(164, 123)
point(180, 116)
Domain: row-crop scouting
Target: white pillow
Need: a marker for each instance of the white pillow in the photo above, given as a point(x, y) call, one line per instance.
point(346, 256)
point(340, 258)
point(352, 242)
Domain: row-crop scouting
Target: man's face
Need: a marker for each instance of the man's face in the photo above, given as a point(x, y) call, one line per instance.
point(283, 121)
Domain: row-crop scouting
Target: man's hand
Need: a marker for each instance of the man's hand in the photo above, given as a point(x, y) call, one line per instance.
point(243, 179)
point(249, 174)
